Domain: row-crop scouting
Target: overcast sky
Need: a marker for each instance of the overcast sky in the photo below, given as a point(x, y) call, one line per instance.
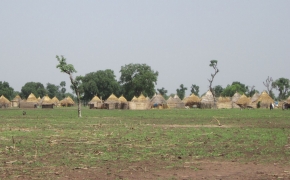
point(249, 38)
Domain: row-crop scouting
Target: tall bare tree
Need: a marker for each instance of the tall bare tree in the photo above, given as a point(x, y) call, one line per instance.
point(213, 64)
point(69, 69)
point(269, 85)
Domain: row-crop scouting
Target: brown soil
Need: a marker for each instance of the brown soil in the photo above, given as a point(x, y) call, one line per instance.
point(201, 169)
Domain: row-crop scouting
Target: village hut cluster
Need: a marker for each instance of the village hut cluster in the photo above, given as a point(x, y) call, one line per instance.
point(141, 102)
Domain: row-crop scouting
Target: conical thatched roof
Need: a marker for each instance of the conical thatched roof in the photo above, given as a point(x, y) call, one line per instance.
point(207, 98)
point(170, 100)
point(265, 98)
point(32, 98)
point(112, 99)
point(191, 99)
point(95, 100)
point(122, 99)
point(4, 100)
point(67, 101)
point(55, 100)
point(288, 100)
point(46, 100)
point(243, 100)
point(235, 97)
point(158, 99)
point(134, 99)
point(142, 98)
point(17, 98)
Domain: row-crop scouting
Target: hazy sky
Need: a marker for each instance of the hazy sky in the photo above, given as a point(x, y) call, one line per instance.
point(249, 38)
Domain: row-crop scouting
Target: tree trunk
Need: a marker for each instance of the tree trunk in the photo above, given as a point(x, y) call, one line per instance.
point(78, 95)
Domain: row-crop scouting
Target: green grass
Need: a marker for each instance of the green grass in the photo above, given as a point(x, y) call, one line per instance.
point(57, 138)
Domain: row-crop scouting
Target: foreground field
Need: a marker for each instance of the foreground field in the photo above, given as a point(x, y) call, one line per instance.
point(153, 144)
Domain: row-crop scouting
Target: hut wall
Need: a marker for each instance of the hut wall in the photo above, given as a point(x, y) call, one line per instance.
point(15, 103)
point(132, 105)
point(28, 105)
point(234, 105)
point(224, 105)
point(206, 105)
point(112, 105)
point(142, 105)
point(47, 106)
point(123, 106)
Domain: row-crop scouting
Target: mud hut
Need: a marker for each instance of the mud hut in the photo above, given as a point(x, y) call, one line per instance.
point(175, 103)
point(67, 102)
point(96, 103)
point(15, 102)
point(55, 101)
point(224, 103)
point(243, 101)
point(46, 103)
point(207, 101)
point(192, 101)
point(4, 102)
point(112, 102)
point(123, 103)
point(140, 103)
point(264, 100)
point(158, 101)
point(30, 102)
point(253, 101)
point(235, 97)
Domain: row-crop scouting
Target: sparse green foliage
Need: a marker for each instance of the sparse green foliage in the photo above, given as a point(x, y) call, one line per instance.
point(181, 91)
point(36, 88)
point(218, 90)
point(282, 85)
point(195, 89)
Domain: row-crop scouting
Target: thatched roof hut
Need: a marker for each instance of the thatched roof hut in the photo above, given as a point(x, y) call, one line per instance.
point(158, 101)
point(134, 99)
point(4, 102)
point(112, 102)
point(55, 101)
point(123, 103)
point(46, 102)
point(224, 103)
point(264, 100)
point(207, 100)
point(175, 102)
point(243, 101)
point(192, 100)
point(140, 103)
point(96, 103)
point(32, 98)
point(67, 102)
point(15, 101)
point(235, 97)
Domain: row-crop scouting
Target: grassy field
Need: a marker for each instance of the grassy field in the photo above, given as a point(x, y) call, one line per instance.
point(45, 139)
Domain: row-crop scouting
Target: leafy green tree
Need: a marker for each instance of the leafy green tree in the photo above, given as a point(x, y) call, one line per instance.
point(53, 90)
point(236, 86)
point(6, 90)
point(102, 83)
point(163, 92)
point(136, 79)
point(36, 88)
point(181, 91)
point(62, 89)
point(218, 90)
point(69, 69)
point(282, 85)
point(195, 89)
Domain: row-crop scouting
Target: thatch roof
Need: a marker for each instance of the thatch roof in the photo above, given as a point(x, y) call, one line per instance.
point(134, 99)
point(122, 99)
point(4, 100)
point(243, 100)
point(207, 98)
point(95, 100)
point(142, 98)
point(112, 99)
point(55, 100)
point(46, 100)
point(67, 101)
point(235, 97)
point(265, 98)
point(288, 100)
point(158, 99)
point(32, 98)
point(17, 98)
point(191, 99)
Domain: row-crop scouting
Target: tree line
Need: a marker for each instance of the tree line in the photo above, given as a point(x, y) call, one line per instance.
point(134, 80)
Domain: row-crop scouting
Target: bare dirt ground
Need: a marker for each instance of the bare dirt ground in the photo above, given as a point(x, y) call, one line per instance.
point(201, 169)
